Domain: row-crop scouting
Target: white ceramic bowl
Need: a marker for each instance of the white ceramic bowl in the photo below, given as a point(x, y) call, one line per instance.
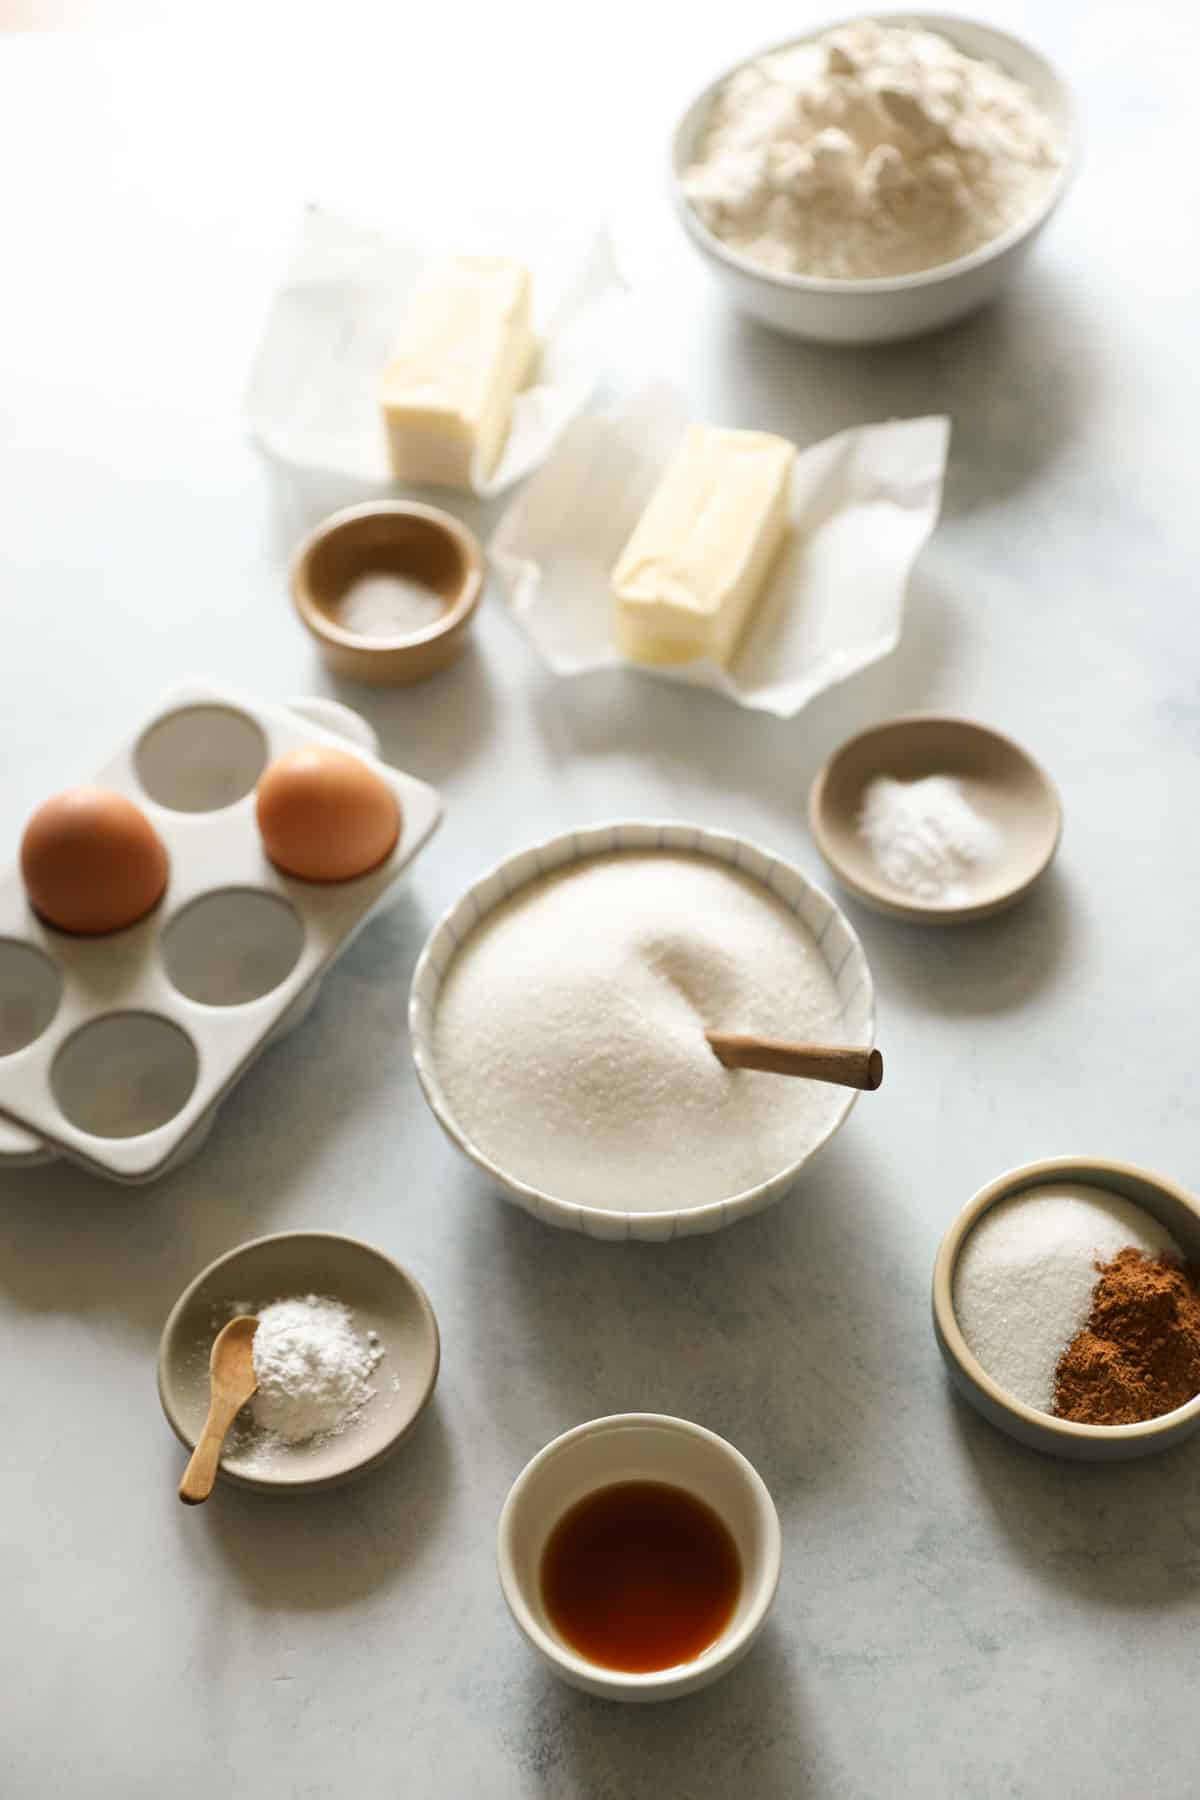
point(835, 937)
point(1173, 1208)
point(638, 1447)
point(879, 311)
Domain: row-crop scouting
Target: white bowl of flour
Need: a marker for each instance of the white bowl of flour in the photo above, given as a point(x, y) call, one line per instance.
point(877, 178)
point(558, 1014)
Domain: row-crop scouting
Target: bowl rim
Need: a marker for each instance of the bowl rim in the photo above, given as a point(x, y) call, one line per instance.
point(455, 614)
point(304, 1484)
point(1089, 1170)
point(843, 286)
point(879, 894)
point(726, 1648)
point(549, 1207)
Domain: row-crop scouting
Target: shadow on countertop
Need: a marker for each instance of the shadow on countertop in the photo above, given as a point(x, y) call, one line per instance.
point(322, 1552)
point(563, 1328)
point(753, 1732)
point(1125, 1536)
point(1014, 378)
point(969, 971)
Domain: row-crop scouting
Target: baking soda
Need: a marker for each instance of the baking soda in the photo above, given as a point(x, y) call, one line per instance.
point(313, 1368)
point(1026, 1274)
point(569, 1034)
point(926, 838)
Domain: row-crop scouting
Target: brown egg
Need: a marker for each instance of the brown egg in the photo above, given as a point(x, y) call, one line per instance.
point(92, 862)
point(325, 815)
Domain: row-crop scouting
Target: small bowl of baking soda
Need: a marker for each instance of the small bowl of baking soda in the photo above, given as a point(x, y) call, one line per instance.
point(1066, 1304)
point(876, 179)
point(935, 819)
point(346, 1357)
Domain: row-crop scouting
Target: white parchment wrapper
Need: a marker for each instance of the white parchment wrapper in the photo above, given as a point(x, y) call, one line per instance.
point(313, 398)
point(863, 503)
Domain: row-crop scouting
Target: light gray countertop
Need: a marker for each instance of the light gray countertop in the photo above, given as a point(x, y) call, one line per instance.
point(958, 1617)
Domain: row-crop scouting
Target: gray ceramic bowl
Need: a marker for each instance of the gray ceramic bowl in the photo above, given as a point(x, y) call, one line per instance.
point(383, 1298)
point(880, 311)
point(1171, 1206)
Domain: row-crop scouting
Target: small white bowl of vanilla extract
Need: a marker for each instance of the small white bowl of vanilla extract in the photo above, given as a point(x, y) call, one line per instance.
point(639, 1555)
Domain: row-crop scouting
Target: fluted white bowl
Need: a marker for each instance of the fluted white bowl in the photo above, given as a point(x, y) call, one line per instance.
point(835, 938)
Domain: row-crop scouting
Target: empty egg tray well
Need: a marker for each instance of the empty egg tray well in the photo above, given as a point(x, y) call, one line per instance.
point(115, 1050)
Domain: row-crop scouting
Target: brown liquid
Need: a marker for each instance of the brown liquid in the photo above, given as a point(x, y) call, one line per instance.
point(640, 1576)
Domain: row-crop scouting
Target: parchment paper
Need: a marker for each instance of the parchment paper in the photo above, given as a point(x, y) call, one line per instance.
point(313, 398)
point(863, 504)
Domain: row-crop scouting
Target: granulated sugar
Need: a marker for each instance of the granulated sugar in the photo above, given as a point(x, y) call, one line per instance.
point(1025, 1277)
point(569, 1035)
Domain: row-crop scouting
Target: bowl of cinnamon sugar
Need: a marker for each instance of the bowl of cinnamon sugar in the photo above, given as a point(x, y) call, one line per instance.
point(1066, 1305)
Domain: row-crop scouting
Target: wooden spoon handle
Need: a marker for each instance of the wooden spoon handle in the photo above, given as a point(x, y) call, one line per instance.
point(845, 1066)
point(201, 1473)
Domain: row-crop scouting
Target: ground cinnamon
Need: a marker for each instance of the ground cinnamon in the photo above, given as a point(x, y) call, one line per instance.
point(1138, 1356)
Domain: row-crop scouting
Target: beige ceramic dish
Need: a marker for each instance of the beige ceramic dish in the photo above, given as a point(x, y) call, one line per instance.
point(396, 538)
point(638, 1447)
point(383, 1297)
point(1170, 1205)
point(1001, 781)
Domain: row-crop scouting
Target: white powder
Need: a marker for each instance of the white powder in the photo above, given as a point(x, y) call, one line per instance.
point(569, 1034)
point(1026, 1274)
point(926, 838)
point(875, 150)
point(389, 605)
point(313, 1369)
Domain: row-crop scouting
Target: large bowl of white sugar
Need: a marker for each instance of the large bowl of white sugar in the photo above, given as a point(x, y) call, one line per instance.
point(558, 1017)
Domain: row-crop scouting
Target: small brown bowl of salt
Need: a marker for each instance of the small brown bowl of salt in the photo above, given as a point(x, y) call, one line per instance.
point(388, 590)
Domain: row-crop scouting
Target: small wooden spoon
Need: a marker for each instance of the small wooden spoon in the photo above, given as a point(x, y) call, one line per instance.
point(233, 1382)
point(837, 1063)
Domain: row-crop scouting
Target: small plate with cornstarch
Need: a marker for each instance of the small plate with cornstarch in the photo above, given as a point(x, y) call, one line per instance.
point(935, 819)
point(346, 1355)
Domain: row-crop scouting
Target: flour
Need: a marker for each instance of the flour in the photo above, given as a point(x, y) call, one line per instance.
point(569, 1033)
point(874, 151)
point(926, 838)
point(313, 1369)
point(1025, 1277)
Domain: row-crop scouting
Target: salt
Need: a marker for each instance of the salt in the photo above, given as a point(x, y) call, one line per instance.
point(569, 1034)
point(1025, 1277)
point(389, 605)
point(313, 1369)
point(926, 837)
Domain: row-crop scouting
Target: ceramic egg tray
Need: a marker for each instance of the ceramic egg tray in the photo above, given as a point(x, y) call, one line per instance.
point(115, 1051)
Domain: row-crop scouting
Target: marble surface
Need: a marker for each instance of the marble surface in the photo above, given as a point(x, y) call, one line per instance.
point(958, 1617)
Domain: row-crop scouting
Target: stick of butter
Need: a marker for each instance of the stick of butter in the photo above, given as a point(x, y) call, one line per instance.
point(464, 348)
point(687, 580)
